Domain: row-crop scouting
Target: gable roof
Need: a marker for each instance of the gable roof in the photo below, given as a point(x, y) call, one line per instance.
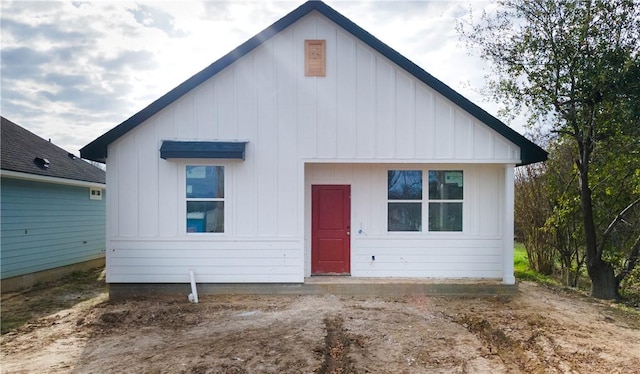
point(529, 152)
point(21, 148)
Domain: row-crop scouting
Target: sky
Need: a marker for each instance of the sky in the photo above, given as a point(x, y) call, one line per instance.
point(70, 71)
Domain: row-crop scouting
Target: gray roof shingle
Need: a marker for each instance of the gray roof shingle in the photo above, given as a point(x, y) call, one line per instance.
point(20, 148)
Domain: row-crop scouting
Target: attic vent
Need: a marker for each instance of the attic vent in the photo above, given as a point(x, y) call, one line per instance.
point(315, 59)
point(42, 163)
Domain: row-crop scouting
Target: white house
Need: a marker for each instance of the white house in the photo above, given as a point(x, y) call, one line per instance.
point(313, 148)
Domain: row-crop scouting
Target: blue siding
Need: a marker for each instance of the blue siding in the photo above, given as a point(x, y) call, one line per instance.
point(45, 226)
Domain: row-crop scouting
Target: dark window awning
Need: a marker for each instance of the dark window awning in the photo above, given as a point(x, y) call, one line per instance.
point(199, 149)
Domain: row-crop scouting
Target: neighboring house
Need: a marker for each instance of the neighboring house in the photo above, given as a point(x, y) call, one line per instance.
point(52, 210)
point(313, 148)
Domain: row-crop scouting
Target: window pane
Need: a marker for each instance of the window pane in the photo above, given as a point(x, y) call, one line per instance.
point(405, 217)
point(445, 216)
point(205, 216)
point(445, 184)
point(205, 182)
point(404, 184)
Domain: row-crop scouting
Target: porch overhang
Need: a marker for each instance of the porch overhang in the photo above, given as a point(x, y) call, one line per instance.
point(202, 149)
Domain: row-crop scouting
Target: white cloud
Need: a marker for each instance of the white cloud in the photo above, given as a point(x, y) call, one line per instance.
point(71, 71)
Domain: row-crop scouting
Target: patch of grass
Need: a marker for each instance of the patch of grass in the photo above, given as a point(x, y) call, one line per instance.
point(523, 271)
point(49, 298)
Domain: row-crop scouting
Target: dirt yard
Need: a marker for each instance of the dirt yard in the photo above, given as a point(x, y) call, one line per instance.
point(539, 331)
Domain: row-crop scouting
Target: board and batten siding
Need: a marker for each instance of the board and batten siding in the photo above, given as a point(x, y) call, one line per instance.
point(366, 110)
point(45, 226)
point(476, 252)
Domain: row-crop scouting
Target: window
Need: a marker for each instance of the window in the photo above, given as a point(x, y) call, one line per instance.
point(445, 200)
point(205, 198)
point(404, 194)
point(95, 193)
point(405, 200)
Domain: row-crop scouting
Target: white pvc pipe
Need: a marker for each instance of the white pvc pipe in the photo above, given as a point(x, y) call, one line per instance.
point(193, 297)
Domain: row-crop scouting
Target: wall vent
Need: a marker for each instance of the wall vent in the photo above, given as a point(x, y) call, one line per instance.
point(315, 58)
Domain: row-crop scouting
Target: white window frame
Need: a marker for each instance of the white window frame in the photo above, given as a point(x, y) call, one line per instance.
point(426, 200)
point(420, 201)
point(184, 199)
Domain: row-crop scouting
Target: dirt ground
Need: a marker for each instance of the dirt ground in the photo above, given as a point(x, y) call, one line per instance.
point(540, 330)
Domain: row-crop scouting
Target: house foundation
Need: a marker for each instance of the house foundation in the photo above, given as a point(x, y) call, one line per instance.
point(339, 286)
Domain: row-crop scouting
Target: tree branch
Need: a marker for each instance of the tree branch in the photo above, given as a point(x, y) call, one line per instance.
point(631, 261)
point(614, 223)
point(563, 132)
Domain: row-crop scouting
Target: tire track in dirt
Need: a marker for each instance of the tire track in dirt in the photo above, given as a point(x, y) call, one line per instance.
point(517, 355)
point(540, 330)
point(336, 348)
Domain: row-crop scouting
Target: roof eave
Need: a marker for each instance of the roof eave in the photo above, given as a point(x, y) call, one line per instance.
point(49, 179)
point(532, 155)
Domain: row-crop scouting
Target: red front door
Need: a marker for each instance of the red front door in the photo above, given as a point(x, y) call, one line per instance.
point(330, 229)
